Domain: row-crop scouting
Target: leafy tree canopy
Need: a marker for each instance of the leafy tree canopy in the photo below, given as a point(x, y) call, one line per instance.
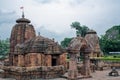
point(113, 33)
point(110, 42)
point(65, 42)
point(4, 48)
point(80, 29)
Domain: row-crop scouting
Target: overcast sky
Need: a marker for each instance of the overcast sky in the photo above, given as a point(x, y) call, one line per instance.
point(52, 18)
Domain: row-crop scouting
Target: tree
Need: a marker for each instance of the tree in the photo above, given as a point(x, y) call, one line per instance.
point(4, 48)
point(65, 42)
point(110, 42)
point(80, 30)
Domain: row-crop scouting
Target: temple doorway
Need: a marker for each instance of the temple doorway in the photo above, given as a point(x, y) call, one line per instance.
point(54, 62)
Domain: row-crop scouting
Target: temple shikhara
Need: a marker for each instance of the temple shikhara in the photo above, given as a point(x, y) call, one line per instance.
point(33, 56)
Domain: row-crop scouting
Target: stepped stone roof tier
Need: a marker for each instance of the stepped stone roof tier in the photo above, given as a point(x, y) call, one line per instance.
point(39, 44)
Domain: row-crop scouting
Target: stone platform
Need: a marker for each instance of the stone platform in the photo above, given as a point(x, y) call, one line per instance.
point(98, 75)
point(28, 73)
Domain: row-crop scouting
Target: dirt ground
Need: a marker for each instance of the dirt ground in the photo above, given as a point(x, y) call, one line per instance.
point(103, 75)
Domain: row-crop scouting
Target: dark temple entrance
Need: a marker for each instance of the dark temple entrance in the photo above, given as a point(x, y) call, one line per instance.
point(54, 62)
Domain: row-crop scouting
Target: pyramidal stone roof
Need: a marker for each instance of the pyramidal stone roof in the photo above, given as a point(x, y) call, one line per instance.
point(39, 44)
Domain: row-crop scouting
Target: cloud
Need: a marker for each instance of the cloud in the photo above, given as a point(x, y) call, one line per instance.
point(45, 1)
point(7, 20)
point(57, 15)
point(7, 17)
point(58, 37)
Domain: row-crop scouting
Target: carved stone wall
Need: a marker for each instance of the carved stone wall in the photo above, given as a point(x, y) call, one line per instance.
point(62, 59)
point(38, 59)
point(48, 59)
point(21, 60)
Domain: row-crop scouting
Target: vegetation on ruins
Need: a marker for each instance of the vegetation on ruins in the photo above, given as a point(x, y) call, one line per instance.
point(4, 48)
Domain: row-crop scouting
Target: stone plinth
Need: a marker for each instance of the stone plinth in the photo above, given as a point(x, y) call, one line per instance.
point(38, 72)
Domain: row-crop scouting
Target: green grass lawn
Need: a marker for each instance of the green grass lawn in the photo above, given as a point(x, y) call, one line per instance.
point(109, 58)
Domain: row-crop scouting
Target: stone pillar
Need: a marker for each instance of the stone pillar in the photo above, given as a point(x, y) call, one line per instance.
point(33, 59)
point(39, 56)
point(62, 60)
point(27, 60)
point(48, 60)
point(15, 60)
point(73, 72)
point(42, 60)
point(86, 65)
point(20, 60)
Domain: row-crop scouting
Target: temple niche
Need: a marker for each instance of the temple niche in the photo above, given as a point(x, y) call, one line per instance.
point(31, 56)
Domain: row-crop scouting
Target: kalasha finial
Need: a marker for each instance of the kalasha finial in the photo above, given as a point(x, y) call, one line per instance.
point(22, 8)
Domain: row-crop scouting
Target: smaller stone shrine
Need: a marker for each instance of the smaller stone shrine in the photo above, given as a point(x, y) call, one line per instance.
point(77, 45)
point(93, 40)
point(92, 37)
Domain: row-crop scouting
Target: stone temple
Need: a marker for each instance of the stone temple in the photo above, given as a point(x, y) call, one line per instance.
point(32, 56)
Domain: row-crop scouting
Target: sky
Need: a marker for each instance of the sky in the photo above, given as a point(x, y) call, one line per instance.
point(52, 18)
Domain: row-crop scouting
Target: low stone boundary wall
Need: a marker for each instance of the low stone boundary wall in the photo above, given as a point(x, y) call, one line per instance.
point(27, 73)
point(112, 64)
